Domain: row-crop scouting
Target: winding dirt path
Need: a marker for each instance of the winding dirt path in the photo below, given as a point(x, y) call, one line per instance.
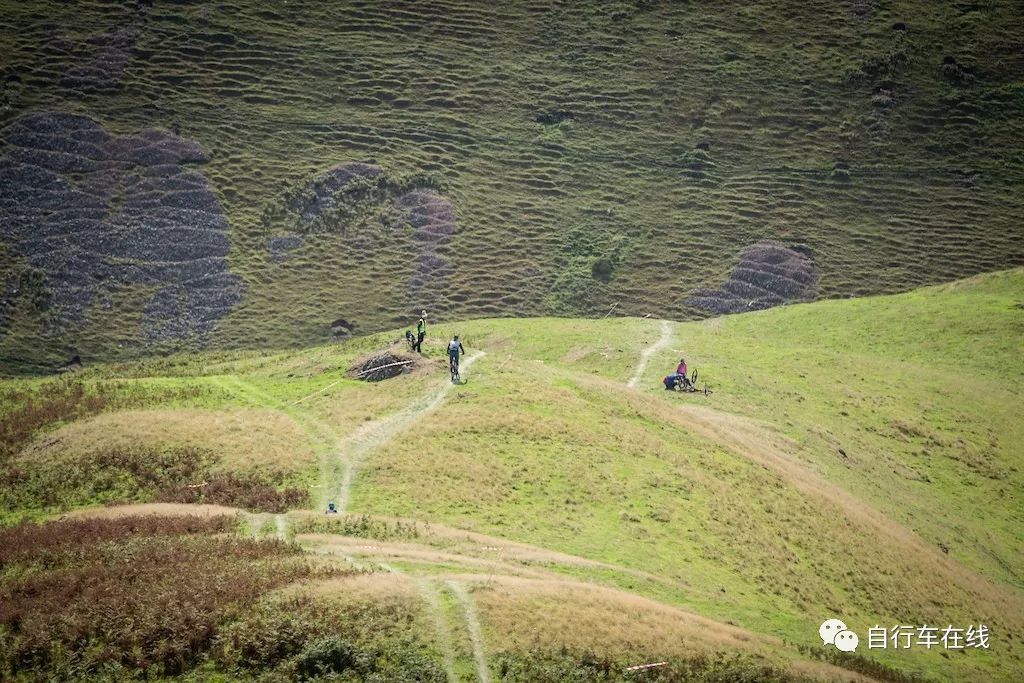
point(342, 457)
point(318, 431)
point(374, 434)
point(645, 355)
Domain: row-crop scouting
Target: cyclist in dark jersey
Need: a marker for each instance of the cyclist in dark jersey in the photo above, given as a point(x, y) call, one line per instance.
point(454, 349)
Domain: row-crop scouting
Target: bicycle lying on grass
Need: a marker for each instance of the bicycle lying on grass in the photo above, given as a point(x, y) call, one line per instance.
point(685, 384)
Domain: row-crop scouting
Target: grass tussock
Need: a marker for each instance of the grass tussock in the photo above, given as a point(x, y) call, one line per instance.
point(128, 597)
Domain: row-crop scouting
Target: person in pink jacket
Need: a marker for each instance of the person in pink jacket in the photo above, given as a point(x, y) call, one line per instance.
point(678, 379)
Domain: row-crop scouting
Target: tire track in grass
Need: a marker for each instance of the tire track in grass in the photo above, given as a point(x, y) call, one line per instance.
point(444, 640)
point(645, 355)
point(473, 626)
point(428, 590)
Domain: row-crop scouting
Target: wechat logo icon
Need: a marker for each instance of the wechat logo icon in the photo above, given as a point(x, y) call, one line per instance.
point(834, 632)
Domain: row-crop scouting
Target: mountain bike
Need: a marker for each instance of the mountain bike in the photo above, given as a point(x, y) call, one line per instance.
point(688, 384)
point(453, 366)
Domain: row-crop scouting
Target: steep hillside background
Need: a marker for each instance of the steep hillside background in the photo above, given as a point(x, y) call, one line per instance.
point(181, 174)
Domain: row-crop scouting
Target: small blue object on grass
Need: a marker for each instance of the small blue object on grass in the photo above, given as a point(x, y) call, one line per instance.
point(331, 509)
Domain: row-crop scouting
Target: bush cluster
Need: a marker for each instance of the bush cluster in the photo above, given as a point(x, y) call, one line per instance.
point(142, 473)
point(299, 638)
point(129, 597)
point(238, 490)
point(27, 411)
point(23, 412)
point(133, 473)
point(40, 542)
point(863, 665)
point(565, 666)
point(360, 526)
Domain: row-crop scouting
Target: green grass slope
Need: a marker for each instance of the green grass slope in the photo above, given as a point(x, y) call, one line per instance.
point(859, 459)
point(595, 153)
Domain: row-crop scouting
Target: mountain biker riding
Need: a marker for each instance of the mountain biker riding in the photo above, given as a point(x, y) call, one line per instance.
point(454, 349)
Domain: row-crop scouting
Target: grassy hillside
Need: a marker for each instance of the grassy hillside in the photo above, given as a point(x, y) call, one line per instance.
point(534, 159)
point(859, 459)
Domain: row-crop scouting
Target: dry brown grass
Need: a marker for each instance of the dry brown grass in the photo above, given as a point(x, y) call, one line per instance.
point(462, 543)
point(244, 440)
point(148, 509)
point(521, 613)
point(381, 551)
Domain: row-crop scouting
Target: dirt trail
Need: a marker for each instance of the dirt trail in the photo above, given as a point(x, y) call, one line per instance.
point(473, 625)
point(440, 543)
point(645, 356)
point(425, 556)
point(444, 640)
point(427, 589)
point(343, 456)
point(374, 434)
point(761, 444)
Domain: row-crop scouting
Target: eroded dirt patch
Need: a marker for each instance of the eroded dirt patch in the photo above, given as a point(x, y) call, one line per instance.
point(96, 213)
point(382, 366)
point(369, 207)
point(768, 274)
point(433, 221)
